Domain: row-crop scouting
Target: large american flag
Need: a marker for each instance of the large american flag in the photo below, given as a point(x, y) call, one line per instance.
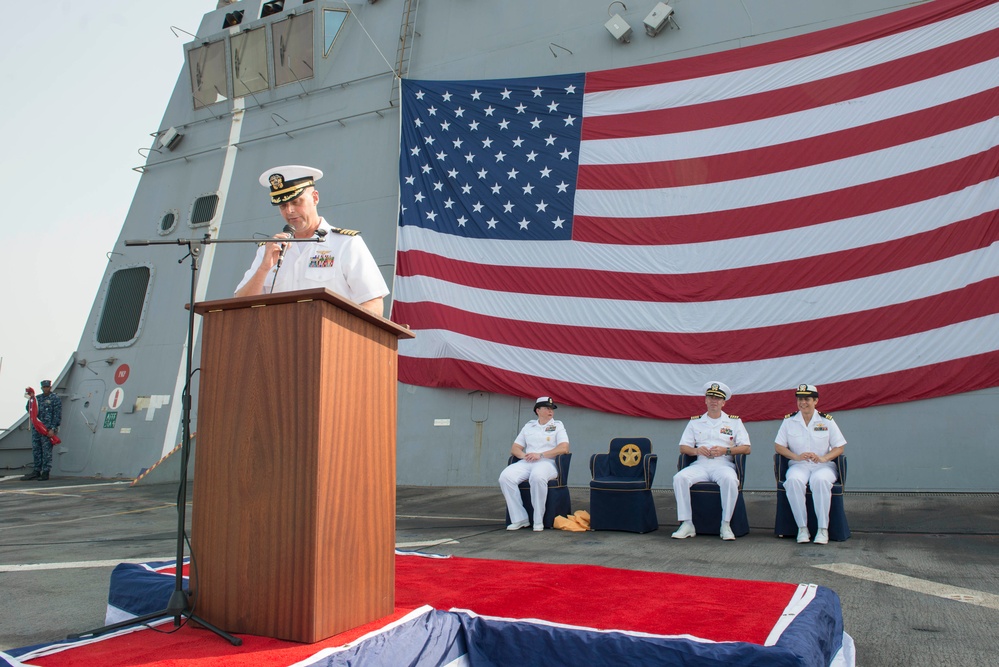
point(818, 210)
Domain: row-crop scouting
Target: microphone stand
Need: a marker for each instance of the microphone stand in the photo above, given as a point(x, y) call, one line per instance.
point(179, 605)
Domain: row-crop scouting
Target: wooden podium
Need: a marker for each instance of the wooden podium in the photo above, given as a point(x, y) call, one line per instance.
point(293, 523)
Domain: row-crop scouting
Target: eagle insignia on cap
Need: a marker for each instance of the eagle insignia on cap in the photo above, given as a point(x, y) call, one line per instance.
point(289, 181)
point(716, 389)
point(802, 387)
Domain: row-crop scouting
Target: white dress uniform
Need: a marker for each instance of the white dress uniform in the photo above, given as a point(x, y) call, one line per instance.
point(820, 436)
point(341, 263)
point(726, 431)
point(535, 438)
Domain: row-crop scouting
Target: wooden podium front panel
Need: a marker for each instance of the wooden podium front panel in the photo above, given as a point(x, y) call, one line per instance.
point(294, 505)
point(356, 549)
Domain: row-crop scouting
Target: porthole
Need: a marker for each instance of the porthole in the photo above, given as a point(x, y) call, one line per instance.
point(168, 222)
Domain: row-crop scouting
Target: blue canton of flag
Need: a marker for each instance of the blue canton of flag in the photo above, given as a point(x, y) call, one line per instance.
point(491, 159)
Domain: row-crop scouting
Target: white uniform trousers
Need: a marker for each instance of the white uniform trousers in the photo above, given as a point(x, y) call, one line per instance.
point(820, 477)
point(538, 472)
point(722, 475)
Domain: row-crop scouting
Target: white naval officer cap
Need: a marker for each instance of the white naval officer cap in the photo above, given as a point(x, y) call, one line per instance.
point(289, 181)
point(807, 390)
point(544, 402)
point(718, 390)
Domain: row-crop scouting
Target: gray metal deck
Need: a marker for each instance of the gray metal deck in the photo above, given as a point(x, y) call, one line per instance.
point(943, 610)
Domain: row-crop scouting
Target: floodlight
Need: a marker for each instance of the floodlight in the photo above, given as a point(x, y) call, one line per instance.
point(658, 18)
point(170, 138)
point(272, 7)
point(232, 18)
point(617, 26)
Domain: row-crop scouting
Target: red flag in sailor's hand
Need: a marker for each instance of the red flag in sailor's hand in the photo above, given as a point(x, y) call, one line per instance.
point(33, 416)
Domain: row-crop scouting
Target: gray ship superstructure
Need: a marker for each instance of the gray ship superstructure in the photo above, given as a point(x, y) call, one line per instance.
point(318, 83)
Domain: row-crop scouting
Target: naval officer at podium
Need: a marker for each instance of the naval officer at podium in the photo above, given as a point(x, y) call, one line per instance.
point(340, 261)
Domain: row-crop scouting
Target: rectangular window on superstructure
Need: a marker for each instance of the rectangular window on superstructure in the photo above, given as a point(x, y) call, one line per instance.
point(124, 307)
point(207, 66)
point(292, 38)
point(249, 62)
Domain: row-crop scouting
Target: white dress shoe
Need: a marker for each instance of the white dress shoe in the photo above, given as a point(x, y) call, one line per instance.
point(726, 531)
point(822, 536)
point(803, 536)
point(538, 527)
point(518, 525)
point(686, 529)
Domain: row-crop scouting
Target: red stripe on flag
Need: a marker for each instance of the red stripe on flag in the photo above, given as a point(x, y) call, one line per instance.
point(795, 213)
point(952, 377)
point(793, 155)
point(759, 55)
point(793, 99)
point(876, 259)
point(798, 338)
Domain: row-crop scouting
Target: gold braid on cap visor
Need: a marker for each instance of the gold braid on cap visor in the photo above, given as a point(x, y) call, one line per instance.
point(290, 192)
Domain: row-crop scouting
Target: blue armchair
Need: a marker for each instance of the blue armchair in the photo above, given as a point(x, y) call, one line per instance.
point(705, 501)
point(621, 487)
point(784, 523)
point(558, 502)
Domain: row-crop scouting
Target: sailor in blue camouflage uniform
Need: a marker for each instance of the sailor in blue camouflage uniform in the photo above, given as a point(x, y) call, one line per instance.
point(714, 438)
point(50, 415)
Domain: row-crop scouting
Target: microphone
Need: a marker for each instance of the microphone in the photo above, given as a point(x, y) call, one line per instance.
point(288, 229)
point(321, 234)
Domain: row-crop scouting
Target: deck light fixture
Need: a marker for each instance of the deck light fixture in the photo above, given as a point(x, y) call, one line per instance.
point(170, 138)
point(617, 26)
point(660, 16)
point(232, 18)
point(272, 7)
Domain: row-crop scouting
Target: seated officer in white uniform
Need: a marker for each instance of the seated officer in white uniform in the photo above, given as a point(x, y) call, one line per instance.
point(340, 261)
point(540, 441)
point(713, 438)
point(812, 441)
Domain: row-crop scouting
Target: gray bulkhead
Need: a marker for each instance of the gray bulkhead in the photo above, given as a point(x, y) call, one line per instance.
point(342, 117)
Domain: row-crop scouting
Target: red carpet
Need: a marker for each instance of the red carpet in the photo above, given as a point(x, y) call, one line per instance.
point(582, 595)
point(596, 597)
point(193, 646)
